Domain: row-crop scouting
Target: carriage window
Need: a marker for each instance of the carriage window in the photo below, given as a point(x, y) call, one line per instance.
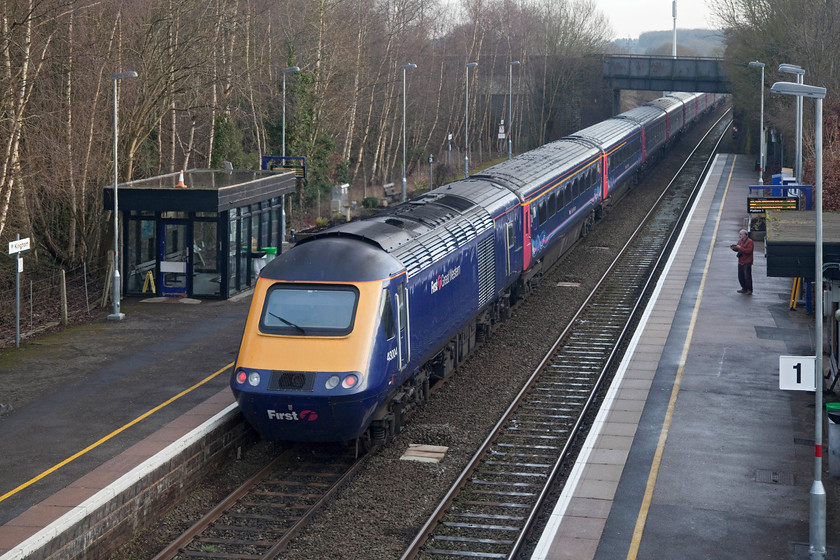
point(511, 236)
point(387, 315)
point(552, 204)
point(309, 310)
point(543, 213)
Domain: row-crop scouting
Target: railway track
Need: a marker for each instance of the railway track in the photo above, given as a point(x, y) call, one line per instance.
point(495, 501)
point(490, 508)
point(259, 518)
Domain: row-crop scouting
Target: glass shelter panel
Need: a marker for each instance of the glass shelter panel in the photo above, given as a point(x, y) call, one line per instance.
point(207, 279)
point(141, 256)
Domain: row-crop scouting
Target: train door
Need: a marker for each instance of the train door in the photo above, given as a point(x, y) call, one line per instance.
point(403, 339)
point(526, 236)
point(510, 243)
point(174, 255)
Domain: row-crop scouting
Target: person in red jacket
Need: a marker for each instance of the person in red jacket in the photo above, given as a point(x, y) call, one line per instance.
point(744, 249)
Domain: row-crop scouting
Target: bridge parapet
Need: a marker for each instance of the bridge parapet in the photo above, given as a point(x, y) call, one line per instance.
point(655, 73)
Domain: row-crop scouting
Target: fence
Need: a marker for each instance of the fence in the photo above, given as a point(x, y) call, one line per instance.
point(41, 301)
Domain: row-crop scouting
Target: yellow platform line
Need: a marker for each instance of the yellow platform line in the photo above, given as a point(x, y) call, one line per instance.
point(116, 432)
point(641, 520)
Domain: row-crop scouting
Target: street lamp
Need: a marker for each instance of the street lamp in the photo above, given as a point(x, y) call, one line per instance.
point(285, 71)
point(404, 68)
point(510, 107)
point(283, 157)
point(817, 496)
point(799, 71)
point(117, 315)
point(757, 64)
point(467, 121)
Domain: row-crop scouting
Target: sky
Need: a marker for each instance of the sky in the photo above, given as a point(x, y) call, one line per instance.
point(630, 18)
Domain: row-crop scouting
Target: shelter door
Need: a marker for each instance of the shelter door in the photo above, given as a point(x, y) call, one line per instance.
point(174, 255)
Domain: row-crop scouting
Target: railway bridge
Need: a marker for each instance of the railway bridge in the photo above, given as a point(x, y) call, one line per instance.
point(661, 73)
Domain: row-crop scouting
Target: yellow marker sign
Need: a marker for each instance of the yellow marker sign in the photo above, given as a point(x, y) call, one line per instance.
point(150, 282)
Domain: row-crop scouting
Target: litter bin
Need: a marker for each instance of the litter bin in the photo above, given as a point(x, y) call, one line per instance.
point(270, 253)
point(833, 410)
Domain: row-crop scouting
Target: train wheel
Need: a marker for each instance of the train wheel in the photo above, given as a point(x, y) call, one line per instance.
point(588, 225)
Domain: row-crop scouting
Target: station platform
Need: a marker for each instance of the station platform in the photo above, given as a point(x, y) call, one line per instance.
point(697, 453)
point(109, 416)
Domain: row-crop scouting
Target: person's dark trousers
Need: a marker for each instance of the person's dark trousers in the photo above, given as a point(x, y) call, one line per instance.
point(745, 276)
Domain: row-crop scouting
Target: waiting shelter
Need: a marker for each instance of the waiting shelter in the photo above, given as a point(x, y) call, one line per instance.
point(204, 233)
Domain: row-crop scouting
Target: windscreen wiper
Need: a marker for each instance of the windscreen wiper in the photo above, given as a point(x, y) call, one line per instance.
point(279, 318)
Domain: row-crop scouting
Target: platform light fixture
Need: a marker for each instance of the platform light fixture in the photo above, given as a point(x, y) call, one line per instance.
point(817, 494)
point(757, 64)
point(404, 138)
point(467, 120)
point(117, 315)
point(799, 72)
point(511, 64)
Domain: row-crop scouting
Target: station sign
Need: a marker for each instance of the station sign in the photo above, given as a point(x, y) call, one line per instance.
point(797, 373)
point(759, 205)
point(19, 246)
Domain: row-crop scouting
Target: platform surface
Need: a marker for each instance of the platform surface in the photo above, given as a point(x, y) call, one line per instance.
point(698, 453)
point(94, 401)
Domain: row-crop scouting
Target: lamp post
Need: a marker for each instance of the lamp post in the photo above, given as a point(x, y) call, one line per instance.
point(117, 315)
point(799, 71)
point(467, 121)
point(283, 157)
point(404, 68)
point(510, 107)
point(286, 71)
point(674, 42)
point(757, 64)
point(817, 496)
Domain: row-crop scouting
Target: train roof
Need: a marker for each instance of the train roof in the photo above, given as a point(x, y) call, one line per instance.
point(644, 114)
point(669, 104)
point(683, 96)
point(343, 259)
point(608, 132)
point(418, 232)
point(532, 170)
point(491, 196)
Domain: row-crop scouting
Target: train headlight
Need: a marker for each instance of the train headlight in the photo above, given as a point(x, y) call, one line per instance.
point(350, 381)
point(254, 378)
point(332, 382)
point(241, 376)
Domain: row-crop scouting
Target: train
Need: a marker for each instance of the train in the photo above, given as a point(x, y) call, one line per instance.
point(348, 330)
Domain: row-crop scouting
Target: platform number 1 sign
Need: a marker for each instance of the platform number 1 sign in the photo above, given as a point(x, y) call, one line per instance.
point(797, 373)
